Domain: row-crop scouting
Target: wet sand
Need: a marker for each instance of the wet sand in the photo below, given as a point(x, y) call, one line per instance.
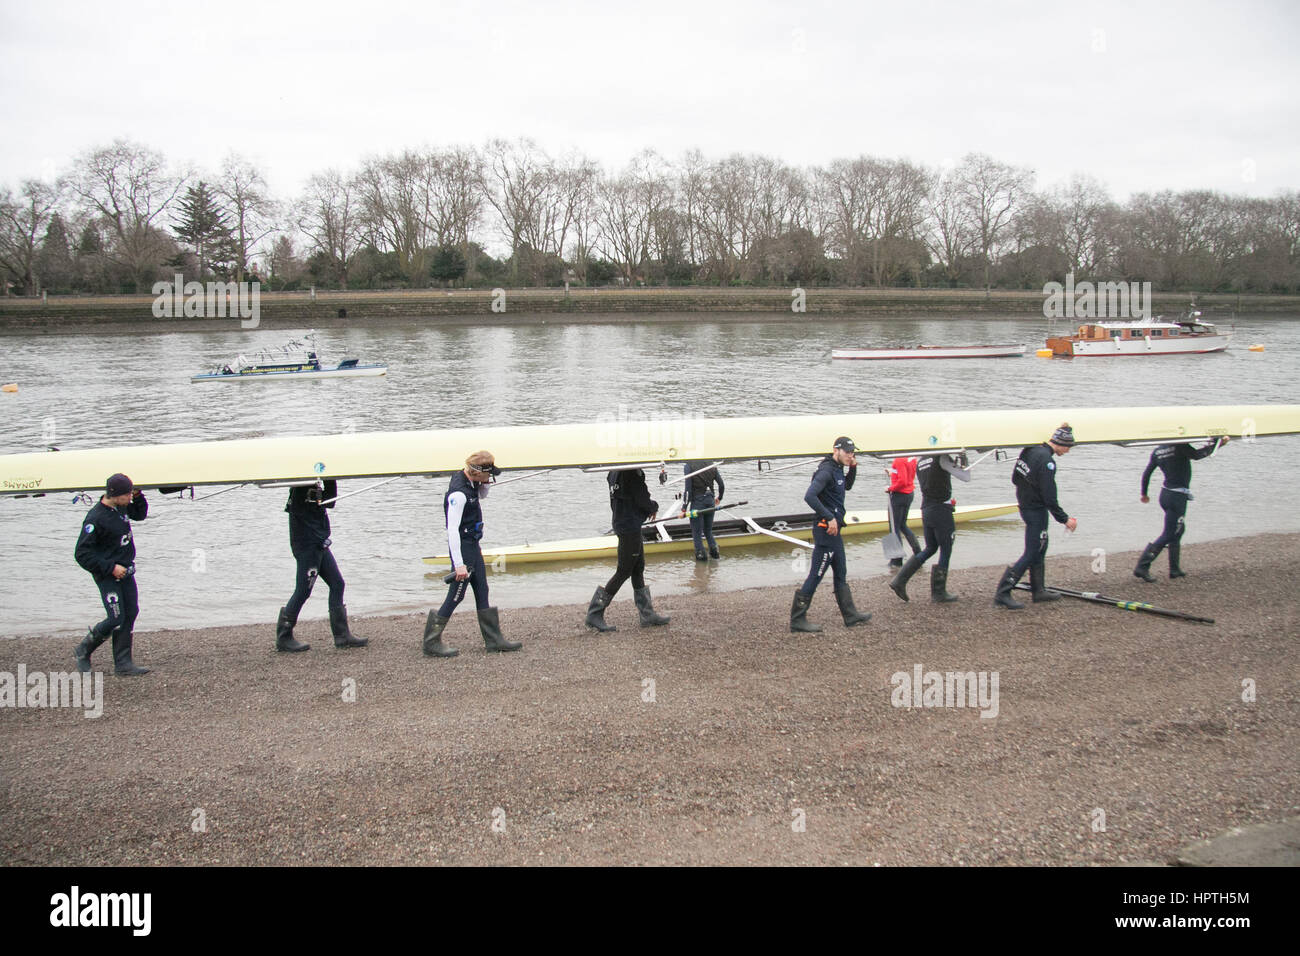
point(1119, 737)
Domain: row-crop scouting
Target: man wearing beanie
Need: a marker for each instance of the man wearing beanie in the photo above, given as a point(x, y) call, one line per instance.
point(1035, 481)
point(106, 549)
point(826, 497)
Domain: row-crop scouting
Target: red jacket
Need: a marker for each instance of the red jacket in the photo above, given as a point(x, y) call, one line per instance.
point(902, 475)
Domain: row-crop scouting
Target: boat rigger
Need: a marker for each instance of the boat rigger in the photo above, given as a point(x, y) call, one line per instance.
point(672, 536)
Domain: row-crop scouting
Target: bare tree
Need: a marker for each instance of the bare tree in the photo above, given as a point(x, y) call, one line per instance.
point(990, 192)
point(950, 237)
point(252, 210)
point(23, 221)
point(129, 188)
point(329, 215)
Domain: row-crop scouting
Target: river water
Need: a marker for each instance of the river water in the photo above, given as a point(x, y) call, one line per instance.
point(226, 560)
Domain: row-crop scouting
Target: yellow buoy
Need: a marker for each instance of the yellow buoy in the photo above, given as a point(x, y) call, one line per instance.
point(11, 387)
point(1044, 353)
point(1257, 348)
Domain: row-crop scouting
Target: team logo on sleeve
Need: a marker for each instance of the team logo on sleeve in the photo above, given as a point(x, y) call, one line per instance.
point(1051, 466)
point(90, 529)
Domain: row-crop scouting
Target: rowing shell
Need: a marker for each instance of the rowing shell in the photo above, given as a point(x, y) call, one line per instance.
point(731, 533)
point(932, 352)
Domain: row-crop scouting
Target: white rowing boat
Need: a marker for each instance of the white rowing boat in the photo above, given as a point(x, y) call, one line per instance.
point(932, 352)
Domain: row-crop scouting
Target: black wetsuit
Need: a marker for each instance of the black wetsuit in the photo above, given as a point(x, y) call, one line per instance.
point(630, 504)
point(106, 541)
point(1175, 461)
point(825, 496)
point(464, 536)
point(936, 510)
point(1035, 479)
point(309, 540)
point(699, 495)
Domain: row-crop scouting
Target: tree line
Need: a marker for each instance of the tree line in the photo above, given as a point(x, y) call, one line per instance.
point(121, 217)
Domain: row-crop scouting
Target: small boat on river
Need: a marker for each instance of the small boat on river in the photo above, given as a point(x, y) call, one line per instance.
point(932, 352)
point(294, 360)
point(1187, 335)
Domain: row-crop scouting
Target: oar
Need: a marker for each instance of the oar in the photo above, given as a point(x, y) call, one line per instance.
point(689, 514)
point(755, 527)
point(1096, 598)
point(892, 543)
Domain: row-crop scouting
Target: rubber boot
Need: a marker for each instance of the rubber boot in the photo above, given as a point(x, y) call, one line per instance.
point(1175, 553)
point(1143, 569)
point(643, 604)
point(123, 666)
point(799, 615)
point(339, 628)
point(715, 554)
point(896, 563)
point(852, 616)
point(489, 624)
point(596, 611)
point(898, 584)
point(284, 639)
point(1003, 598)
point(1038, 591)
point(939, 587)
point(81, 653)
point(701, 556)
point(433, 646)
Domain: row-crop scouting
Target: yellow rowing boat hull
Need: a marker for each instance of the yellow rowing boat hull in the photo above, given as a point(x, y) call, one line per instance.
point(583, 549)
point(611, 440)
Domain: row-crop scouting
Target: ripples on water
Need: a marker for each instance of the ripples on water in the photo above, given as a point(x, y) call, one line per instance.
point(81, 391)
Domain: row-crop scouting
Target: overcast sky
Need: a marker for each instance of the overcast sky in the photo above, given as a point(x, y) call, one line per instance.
point(1144, 96)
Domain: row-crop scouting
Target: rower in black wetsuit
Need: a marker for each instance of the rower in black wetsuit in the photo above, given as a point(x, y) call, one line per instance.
point(106, 548)
point(1175, 461)
point(934, 475)
point(632, 506)
point(1035, 480)
point(825, 496)
point(464, 520)
point(309, 540)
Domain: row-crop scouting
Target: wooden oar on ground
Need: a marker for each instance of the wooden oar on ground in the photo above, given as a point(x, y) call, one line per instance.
point(1096, 598)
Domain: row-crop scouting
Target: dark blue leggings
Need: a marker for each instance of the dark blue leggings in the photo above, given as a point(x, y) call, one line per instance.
point(828, 552)
point(1035, 520)
point(311, 565)
point(121, 601)
point(900, 504)
point(940, 530)
point(472, 555)
point(1175, 506)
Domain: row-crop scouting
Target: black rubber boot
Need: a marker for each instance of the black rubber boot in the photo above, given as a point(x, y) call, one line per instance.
point(799, 615)
point(896, 563)
point(433, 646)
point(852, 616)
point(701, 556)
point(339, 628)
point(490, 624)
point(898, 584)
point(1175, 554)
point(1003, 598)
point(1037, 590)
point(81, 653)
point(123, 665)
point(715, 554)
point(596, 611)
point(939, 587)
point(284, 639)
point(647, 609)
point(1143, 569)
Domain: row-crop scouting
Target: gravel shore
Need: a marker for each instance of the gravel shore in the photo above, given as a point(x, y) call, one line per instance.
point(1119, 737)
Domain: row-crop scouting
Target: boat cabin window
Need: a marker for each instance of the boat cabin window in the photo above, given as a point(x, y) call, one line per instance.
point(1116, 333)
point(1157, 333)
point(1173, 332)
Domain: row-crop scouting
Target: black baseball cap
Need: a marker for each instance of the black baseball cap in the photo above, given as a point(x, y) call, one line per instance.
point(118, 484)
point(846, 443)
